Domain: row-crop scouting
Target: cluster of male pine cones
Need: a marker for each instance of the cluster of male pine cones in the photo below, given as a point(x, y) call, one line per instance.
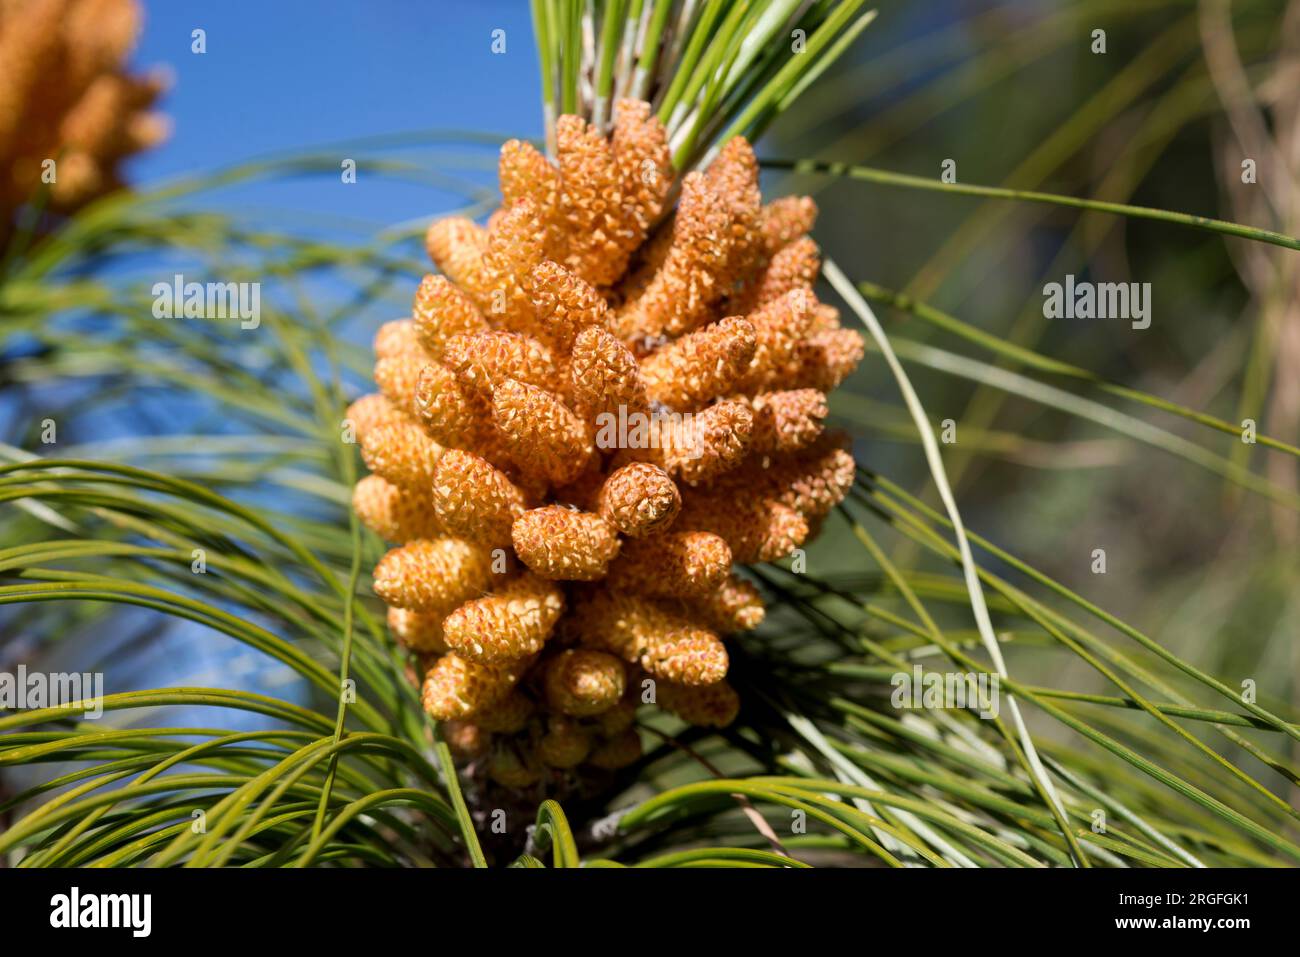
point(549, 580)
point(64, 96)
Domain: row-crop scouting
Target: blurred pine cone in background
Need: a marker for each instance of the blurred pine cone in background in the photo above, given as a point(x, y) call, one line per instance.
point(588, 420)
point(65, 97)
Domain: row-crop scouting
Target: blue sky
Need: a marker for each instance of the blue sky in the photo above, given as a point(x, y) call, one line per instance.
point(290, 74)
